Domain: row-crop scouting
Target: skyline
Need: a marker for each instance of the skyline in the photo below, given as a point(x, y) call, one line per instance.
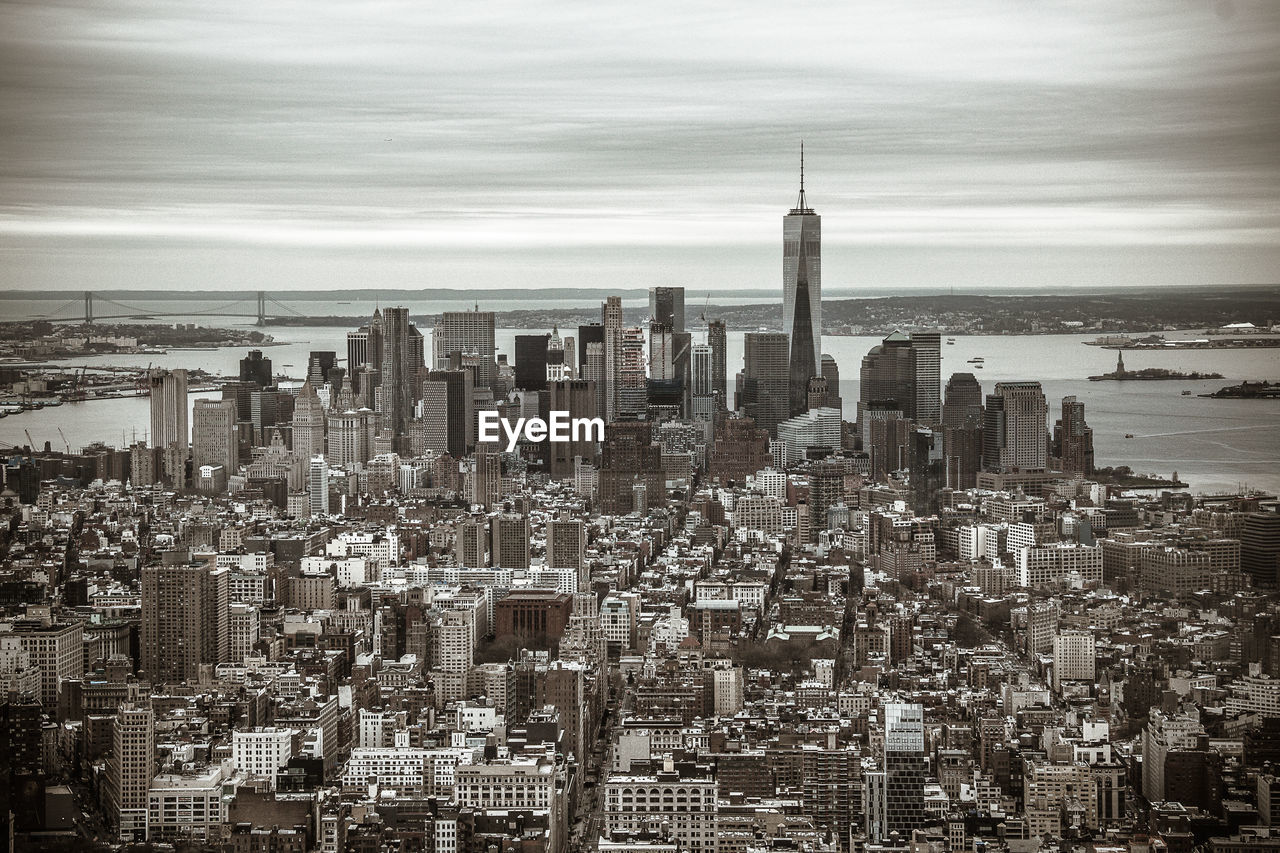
point(975, 145)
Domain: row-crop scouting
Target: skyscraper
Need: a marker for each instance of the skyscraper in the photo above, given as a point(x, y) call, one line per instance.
point(802, 294)
point(926, 354)
point(666, 306)
point(765, 389)
point(633, 381)
point(471, 334)
point(256, 369)
point(399, 374)
point(213, 435)
point(169, 408)
point(963, 401)
point(319, 364)
point(364, 353)
point(718, 340)
point(531, 362)
point(903, 373)
point(455, 388)
point(318, 485)
point(611, 319)
point(589, 334)
point(802, 365)
point(308, 423)
point(577, 397)
point(1073, 438)
point(130, 770)
point(1014, 433)
point(702, 392)
point(905, 766)
point(185, 612)
point(511, 533)
point(351, 434)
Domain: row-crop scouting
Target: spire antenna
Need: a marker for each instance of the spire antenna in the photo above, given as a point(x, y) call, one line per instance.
point(802, 203)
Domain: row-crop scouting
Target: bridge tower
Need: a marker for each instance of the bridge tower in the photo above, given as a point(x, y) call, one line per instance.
point(88, 307)
point(262, 308)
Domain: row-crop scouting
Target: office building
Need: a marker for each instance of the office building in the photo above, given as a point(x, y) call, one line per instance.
point(831, 373)
point(213, 435)
point(611, 321)
point(902, 373)
point(130, 770)
point(566, 544)
point(56, 650)
point(629, 458)
point(632, 377)
point(666, 306)
point(963, 403)
point(308, 423)
point(592, 333)
point(1073, 439)
point(470, 336)
point(764, 389)
point(1260, 548)
point(260, 753)
point(578, 397)
point(456, 390)
point(905, 767)
point(398, 389)
point(351, 437)
point(801, 296)
point(1074, 657)
point(703, 402)
point(511, 533)
point(169, 408)
point(185, 620)
point(364, 355)
point(256, 369)
point(718, 340)
point(1014, 433)
point(320, 366)
point(532, 355)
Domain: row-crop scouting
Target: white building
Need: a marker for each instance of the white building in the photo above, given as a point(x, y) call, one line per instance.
point(260, 753)
point(189, 805)
point(505, 785)
point(686, 803)
point(1074, 657)
point(1060, 562)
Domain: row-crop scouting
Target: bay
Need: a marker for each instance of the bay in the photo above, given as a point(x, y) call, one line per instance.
point(1215, 445)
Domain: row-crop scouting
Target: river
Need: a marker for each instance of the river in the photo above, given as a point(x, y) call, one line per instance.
point(1215, 445)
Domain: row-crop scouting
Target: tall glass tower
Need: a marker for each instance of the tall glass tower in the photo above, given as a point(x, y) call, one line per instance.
point(802, 294)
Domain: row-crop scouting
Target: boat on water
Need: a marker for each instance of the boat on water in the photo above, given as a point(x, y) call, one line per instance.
point(951, 340)
point(1186, 393)
point(976, 360)
point(1128, 435)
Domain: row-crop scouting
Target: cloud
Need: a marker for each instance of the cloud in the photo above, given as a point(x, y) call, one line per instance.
point(400, 128)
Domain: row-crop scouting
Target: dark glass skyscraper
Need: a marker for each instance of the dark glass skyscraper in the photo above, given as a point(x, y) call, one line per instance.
point(764, 392)
point(718, 340)
point(802, 295)
point(531, 362)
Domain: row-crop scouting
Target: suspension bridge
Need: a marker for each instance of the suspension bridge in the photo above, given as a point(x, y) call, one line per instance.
point(87, 309)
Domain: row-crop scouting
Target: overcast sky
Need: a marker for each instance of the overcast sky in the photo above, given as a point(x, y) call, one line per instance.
point(976, 143)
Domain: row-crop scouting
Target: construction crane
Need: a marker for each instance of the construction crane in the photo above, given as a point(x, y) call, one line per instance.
point(31, 442)
point(64, 440)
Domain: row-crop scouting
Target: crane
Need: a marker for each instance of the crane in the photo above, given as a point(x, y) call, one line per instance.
point(30, 441)
point(64, 440)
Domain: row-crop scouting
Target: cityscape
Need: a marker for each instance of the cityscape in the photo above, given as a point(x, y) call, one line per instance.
point(640, 428)
point(733, 613)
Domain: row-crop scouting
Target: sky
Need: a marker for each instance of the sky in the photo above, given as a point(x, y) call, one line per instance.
point(975, 144)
